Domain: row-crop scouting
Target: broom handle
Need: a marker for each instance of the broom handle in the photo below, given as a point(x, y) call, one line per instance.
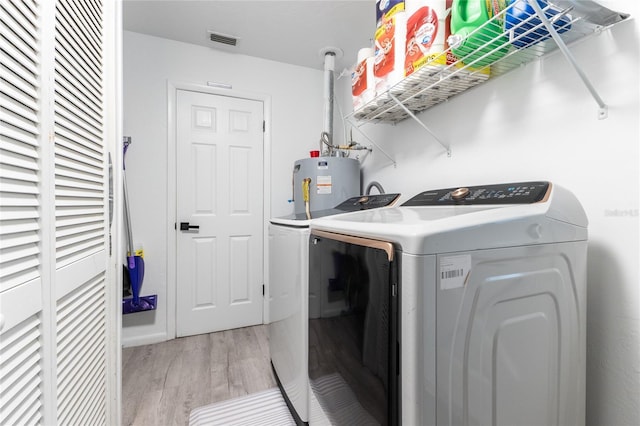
point(127, 217)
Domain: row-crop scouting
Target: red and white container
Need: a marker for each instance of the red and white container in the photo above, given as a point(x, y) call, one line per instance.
point(362, 79)
point(425, 36)
point(390, 43)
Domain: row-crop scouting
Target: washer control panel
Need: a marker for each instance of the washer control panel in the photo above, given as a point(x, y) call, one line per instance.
point(366, 202)
point(507, 193)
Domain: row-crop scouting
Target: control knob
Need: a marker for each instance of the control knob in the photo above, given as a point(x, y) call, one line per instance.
point(459, 193)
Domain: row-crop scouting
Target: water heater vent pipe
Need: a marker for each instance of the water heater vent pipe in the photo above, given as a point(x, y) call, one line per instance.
point(329, 54)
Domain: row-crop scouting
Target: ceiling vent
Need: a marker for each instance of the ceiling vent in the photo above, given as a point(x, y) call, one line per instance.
point(223, 38)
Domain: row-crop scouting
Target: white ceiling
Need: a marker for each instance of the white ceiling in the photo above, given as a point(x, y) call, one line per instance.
point(293, 31)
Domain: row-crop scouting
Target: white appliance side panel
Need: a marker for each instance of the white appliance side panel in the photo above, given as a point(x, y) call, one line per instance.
point(511, 340)
point(417, 337)
point(288, 307)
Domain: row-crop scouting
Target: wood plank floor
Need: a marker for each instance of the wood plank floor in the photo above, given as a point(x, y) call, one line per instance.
point(163, 382)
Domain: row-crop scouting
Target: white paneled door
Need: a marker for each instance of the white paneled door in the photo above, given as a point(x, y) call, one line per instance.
point(219, 211)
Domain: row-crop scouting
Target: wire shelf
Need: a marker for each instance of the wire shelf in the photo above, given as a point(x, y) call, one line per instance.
point(489, 52)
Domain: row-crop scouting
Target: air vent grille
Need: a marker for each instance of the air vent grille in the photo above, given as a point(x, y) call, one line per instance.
point(223, 38)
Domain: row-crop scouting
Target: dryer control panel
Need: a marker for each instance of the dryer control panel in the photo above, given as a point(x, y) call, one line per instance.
point(366, 202)
point(504, 193)
point(354, 204)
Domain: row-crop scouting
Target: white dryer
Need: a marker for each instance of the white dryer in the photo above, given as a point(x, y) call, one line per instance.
point(463, 306)
point(288, 275)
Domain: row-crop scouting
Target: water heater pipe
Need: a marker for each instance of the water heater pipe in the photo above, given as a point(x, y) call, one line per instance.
point(327, 128)
point(329, 55)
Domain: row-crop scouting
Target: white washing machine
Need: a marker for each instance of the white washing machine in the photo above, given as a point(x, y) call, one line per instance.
point(463, 306)
point(288, 275)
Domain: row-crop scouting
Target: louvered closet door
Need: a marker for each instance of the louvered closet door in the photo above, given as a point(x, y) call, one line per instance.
point(52, 215)
point(21, 340)
point(79, 213)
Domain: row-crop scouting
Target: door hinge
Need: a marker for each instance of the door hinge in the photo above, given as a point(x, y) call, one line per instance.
point(264, 126)
point(262, 290)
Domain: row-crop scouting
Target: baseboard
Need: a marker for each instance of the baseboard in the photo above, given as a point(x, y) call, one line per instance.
point(149, 339)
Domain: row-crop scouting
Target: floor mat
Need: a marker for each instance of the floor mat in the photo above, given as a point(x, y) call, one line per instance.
point(264, 408)
point(338, 404)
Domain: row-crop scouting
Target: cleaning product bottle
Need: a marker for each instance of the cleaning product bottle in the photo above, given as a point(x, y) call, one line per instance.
point(387, 8)
point(362, 80)
point(388, 63)
point(524, 26)
point(425, 34)
point(488, 43)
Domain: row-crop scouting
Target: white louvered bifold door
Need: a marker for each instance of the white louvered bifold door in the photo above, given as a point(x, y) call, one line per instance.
point(53, 298)
point(79, 213)
point(21, 342)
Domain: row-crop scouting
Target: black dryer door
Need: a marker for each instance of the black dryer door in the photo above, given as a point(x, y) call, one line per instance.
point(353, 339)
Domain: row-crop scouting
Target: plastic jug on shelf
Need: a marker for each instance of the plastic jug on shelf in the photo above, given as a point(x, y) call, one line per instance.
point(525, 27)
point(477, 34)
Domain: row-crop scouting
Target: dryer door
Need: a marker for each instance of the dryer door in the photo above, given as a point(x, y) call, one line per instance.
point(353, 303)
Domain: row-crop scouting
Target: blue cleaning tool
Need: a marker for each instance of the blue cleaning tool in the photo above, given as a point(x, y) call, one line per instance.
point(135, 262)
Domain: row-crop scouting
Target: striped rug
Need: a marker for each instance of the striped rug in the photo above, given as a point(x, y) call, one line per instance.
point(266, 408)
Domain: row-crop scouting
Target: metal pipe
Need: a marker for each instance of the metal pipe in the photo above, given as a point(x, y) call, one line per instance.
point(359, 130)
point(374, 184)
point(329, 66)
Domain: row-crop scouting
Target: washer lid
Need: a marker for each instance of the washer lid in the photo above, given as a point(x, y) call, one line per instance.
point(451, 228)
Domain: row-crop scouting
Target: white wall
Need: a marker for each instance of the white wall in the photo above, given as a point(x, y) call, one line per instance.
point(540, 123)
point(149, 63)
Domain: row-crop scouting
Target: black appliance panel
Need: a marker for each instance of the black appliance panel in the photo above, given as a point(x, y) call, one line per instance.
point(353, 204)
point(507, 193)
point(353, 331)
point(367, 202)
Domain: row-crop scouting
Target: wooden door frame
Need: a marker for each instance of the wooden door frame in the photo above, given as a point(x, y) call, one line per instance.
point(172, 240)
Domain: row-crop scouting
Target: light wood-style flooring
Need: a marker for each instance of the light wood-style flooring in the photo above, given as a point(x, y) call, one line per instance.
point(163, 382)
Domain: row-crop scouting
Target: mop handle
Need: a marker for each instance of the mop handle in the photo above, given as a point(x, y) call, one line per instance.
point(126, 141)
point(127, 217)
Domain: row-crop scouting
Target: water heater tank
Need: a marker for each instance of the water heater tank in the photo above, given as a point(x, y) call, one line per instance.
point(333, 180)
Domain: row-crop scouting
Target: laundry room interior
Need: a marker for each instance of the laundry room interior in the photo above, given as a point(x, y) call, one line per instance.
point(418, 212)
point(538, 122)
point(394, 212)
